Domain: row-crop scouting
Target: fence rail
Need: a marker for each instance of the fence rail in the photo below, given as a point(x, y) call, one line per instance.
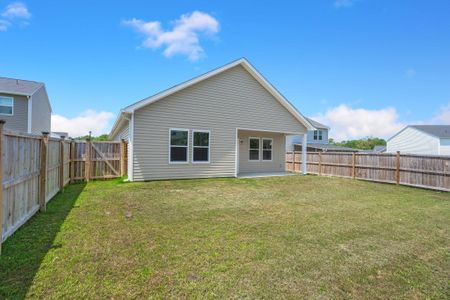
point(431, 172)
point(34, 168)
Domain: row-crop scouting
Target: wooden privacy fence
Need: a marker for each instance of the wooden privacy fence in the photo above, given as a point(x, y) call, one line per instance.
point(27, 186)
point(431, 172)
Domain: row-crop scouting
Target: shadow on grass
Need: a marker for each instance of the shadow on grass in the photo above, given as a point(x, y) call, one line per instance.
point(23, 252)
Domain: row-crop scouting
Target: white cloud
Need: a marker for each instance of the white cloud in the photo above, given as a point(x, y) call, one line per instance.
point(352, 123)
point(4, 25)
point(183, 39)
point(443, 116)
point(410, 73)
point(343, 3)
point(16, 10)
point(89, 120)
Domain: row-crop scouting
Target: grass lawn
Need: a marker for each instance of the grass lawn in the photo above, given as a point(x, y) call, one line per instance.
point(280, 237)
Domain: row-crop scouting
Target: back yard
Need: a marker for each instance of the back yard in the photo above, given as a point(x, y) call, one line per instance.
point(233, 238)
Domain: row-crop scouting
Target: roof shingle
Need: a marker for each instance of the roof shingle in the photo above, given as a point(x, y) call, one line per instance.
point(18, 86)
point(441, 131)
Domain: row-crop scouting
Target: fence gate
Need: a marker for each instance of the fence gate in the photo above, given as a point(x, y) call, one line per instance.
point(95, 160)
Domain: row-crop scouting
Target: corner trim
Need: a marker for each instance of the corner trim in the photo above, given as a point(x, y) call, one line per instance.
point(30, 113)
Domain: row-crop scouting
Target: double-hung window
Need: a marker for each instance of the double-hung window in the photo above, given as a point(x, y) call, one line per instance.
point(267, 149)
point(200, 146)
point(6, 106)
point(317, 135)
point(179, 140)
point(253, 149)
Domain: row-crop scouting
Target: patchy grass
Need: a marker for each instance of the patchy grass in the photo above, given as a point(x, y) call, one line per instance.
point(280, 237)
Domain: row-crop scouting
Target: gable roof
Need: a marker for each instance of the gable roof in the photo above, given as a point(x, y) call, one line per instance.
point(18, 86)
point(438, 131)
point(317, 124)
point(244, 63)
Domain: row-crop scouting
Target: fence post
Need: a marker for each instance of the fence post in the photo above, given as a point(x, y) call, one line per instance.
point(320, 163)
point(61, 164)
point(353, 165)
point(72, 161)
point(2, 122)
point(293, 160)
point(87, 162)
point(43, 171)
point(122, 158)
point(397, 169)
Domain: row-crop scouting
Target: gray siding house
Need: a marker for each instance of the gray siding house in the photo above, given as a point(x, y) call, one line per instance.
point(421, 139)
point(24, 105)
point(225, 123)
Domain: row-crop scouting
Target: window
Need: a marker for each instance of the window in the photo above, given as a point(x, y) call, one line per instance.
point(179, 145)
point(317, 135)
point(6, 105)
point(267, 149)
point(200, 146)
point(253, 149)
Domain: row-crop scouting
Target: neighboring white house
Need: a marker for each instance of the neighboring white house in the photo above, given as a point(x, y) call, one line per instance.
point(228, 122)
point(421, 139)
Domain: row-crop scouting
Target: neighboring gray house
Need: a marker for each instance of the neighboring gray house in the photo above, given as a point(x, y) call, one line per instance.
point(317, 140)
point(379, 149)
point(421, 139)
point(228, 122)
point(24, 105)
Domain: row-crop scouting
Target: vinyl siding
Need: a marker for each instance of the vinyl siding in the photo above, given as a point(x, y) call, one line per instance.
point(229, 100)
point(413, 141)
point(278, 153)
point(41, 112)
point(123, 134)
point(445, 147)
point(19, 120)
point(324, 137)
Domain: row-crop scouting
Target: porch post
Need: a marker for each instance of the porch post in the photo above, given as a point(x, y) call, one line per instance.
point(304, 150)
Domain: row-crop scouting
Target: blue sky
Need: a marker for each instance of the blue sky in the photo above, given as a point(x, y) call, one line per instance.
point(364, 67)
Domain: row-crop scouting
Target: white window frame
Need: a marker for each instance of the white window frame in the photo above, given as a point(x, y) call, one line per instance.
point(262, 150)
point(315, 135)
point(209, 146)
point(12, 106)
point(259, 149)
point(170, 147)
point(320, 135)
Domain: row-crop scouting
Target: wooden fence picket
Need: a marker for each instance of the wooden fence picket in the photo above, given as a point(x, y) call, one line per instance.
point(431, 172)
point(33, 168)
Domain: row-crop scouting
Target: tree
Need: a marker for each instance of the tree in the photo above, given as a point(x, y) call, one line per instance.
point(363, 144)
point(102, 137)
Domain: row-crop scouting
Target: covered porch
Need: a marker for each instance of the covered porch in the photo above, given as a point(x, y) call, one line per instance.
point(263, 153)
